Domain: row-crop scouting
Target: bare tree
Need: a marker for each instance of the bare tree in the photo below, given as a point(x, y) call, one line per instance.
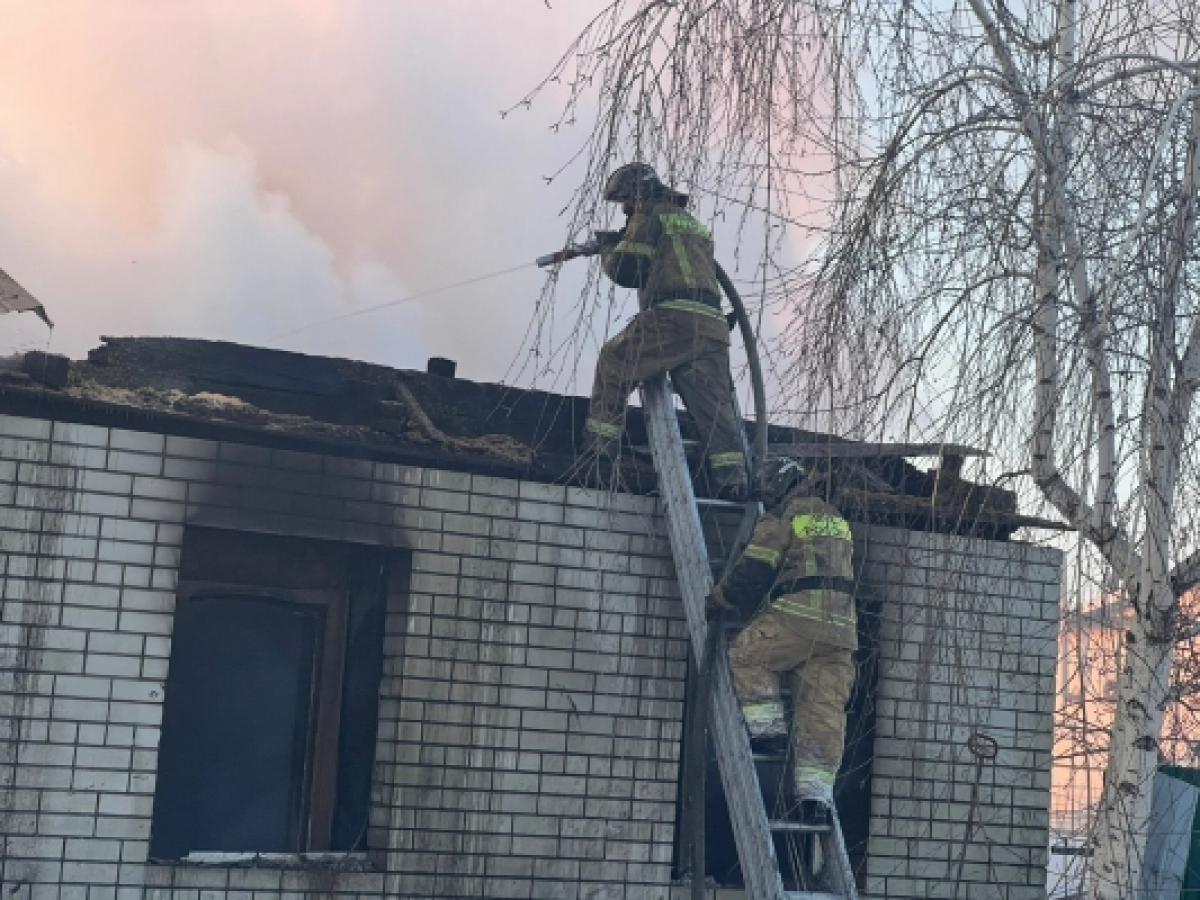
point(1006, 202)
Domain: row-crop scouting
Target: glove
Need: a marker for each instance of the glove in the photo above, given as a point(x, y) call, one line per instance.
point(716, 604)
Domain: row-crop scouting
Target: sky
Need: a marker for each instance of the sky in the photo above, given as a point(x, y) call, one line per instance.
point(235, 171)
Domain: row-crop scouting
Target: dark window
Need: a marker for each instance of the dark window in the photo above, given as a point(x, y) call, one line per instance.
point(272, 696)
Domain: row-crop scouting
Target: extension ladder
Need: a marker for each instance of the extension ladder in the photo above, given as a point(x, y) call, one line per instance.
point(752, 828)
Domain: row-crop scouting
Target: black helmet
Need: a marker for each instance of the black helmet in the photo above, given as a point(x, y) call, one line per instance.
point(782, 475)
point(632, 180)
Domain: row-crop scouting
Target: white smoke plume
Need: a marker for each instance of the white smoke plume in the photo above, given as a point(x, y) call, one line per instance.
point(228, 171)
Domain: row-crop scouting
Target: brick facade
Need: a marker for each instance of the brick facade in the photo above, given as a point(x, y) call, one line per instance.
point(533, 679)
point(967, 646)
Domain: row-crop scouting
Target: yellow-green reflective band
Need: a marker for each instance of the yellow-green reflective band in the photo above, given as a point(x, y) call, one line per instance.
point(635, 248)
point(675, 226)
point(677, 223)
point(726, 460)
point(762, 554)
point(692, 306)
point(810, 527)
point(603, 429)
point(756, 713)
point(811, 612)
point(815, 773)
point(685, 264)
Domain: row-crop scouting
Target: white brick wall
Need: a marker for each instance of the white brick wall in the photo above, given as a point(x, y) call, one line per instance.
point(531, 704)
point(967, 645)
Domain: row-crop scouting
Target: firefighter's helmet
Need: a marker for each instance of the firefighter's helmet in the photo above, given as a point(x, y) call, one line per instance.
point(631, 181)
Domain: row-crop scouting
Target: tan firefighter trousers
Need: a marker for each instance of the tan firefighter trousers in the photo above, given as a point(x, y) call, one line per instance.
point(776, 644)
point(695, 350)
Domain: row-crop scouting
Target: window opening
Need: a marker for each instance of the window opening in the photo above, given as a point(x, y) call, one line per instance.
point(272, 695)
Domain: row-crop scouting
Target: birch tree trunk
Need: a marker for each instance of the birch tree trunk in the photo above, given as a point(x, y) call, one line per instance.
point(1143, 689)
point(1124, 823)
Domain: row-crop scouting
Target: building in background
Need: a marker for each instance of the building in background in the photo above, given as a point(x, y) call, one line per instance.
point(1090, 644)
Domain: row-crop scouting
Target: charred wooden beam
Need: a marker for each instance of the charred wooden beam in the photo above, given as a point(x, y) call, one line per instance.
point(945, 511)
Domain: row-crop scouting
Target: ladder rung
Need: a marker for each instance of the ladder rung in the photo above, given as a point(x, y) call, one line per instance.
point(769, 757)
point(720, 504)
point(798, 827)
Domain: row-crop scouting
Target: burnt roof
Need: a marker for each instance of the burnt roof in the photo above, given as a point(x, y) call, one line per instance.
point(228, 391)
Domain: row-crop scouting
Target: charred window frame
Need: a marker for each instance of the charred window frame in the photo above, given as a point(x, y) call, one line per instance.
point(271, 711)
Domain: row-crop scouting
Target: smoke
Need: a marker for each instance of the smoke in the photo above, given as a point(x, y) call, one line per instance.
point(231, 172)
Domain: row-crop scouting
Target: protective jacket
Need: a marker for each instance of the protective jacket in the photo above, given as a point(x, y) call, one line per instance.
point(799, 563)
point(667, 254)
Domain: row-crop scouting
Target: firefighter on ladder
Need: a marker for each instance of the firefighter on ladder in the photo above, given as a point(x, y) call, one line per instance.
point(796, 572)
point(667, 255)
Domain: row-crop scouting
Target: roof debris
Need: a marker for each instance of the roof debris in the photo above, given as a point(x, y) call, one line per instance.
point(228, 391)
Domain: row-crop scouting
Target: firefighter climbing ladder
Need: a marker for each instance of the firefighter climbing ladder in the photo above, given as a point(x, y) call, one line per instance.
point(751, 827)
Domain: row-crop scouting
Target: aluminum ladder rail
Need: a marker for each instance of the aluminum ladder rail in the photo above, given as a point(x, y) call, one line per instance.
point(748, 815)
